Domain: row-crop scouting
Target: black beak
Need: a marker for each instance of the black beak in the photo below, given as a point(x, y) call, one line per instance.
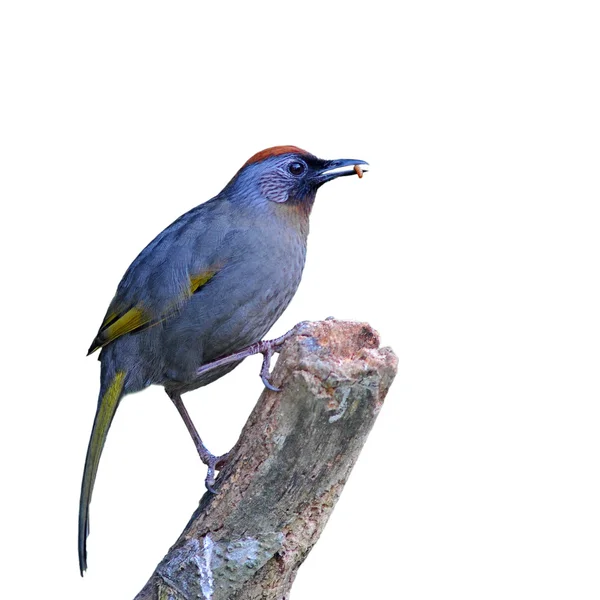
point(341, 168)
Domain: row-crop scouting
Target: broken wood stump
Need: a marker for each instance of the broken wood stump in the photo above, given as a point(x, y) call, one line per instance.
point(286, 471)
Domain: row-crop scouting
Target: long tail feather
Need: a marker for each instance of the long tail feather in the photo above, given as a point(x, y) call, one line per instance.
point(104, 416)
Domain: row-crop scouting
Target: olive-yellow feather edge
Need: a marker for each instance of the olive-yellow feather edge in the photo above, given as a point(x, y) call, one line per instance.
point(136, 317)
point(104, 416)
point(197, 281)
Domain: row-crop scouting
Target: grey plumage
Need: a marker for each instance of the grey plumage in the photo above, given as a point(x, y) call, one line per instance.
point(211, 283)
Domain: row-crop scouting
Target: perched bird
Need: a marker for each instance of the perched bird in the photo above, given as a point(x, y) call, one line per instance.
point(208, 286)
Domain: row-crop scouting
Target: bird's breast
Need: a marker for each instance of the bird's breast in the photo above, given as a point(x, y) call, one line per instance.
point(240, 303)
point(258, 289)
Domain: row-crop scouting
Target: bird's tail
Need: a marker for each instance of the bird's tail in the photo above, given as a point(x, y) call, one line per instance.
point(105, 412)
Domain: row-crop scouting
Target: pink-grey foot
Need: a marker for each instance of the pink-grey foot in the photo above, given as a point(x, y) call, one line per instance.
point(210, 460)
point(265, 347)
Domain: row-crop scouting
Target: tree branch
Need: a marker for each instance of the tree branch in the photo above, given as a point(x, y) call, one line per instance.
point(286, 471)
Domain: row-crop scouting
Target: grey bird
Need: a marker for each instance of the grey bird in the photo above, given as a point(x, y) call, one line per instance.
point(204, 290)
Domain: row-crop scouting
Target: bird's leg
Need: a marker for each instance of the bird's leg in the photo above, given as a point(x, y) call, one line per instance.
point(265, 347)
point(210, 460)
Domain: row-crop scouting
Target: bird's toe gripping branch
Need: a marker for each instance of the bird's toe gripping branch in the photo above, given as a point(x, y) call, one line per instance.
point(265, 369)
point(265, 347)
point(210, 460)
point(214, 463)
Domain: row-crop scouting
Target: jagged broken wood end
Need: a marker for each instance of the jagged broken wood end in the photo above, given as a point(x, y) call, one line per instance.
point(286, 471)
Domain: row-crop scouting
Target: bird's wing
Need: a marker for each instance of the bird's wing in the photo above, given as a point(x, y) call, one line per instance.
point(177, 264)
point(123, 317)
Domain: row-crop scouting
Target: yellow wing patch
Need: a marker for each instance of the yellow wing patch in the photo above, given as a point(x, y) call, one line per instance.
point(197, 281)
point(114, 326)
point(131, 320)
point(111, 329)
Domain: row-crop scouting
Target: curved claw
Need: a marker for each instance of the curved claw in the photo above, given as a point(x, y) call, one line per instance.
point(214, 463)
point(268, 384)
point(265, 373)
point(209, 482)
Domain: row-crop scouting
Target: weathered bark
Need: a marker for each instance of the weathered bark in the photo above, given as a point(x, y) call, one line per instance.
point(286, 471)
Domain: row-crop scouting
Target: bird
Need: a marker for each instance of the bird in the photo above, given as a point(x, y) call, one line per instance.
point(202, 294)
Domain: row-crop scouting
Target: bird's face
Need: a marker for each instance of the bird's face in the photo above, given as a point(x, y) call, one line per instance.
point(288, 175)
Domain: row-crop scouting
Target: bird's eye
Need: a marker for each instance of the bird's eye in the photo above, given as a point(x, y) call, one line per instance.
point(296, 168)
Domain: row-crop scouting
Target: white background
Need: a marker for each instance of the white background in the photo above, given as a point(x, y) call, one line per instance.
point(472, 245)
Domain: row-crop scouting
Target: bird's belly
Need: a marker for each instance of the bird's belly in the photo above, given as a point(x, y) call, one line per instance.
point(235, 310)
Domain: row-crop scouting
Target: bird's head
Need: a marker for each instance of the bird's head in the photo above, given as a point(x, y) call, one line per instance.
point(290, 176)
